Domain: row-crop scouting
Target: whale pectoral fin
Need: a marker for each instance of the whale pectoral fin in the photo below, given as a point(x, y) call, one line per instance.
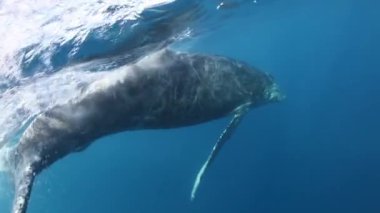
point(223, 138)
point(23, 188)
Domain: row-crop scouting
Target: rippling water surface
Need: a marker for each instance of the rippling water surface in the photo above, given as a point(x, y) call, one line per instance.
point(40, 38)
point(315, 152)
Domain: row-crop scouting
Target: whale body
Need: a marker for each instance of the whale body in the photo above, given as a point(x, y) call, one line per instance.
point(163, 90)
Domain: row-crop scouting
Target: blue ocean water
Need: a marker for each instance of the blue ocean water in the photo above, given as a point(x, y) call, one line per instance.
point(317, 151)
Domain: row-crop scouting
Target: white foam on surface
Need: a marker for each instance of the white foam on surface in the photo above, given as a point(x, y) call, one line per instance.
point(4, 153)
point(37, 27)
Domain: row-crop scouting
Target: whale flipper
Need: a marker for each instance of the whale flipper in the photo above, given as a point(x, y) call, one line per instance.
point(223, 138)
point(23, 183)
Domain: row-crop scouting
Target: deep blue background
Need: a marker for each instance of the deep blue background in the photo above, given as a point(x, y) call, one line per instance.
point(317, 151)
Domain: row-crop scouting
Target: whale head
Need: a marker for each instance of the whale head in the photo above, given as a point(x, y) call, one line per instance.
point(210, 86)
point(260, 87)
point(234, 83)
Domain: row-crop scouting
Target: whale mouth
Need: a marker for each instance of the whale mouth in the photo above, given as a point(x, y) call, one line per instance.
point(274, 94)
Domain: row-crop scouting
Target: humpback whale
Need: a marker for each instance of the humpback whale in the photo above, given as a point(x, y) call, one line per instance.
point(165, 89)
